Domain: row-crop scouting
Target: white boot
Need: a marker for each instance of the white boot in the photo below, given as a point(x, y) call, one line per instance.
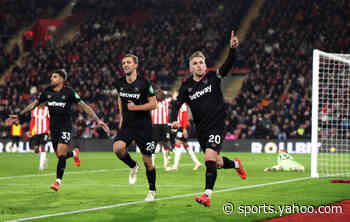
point(151, 195)
point(133, 173)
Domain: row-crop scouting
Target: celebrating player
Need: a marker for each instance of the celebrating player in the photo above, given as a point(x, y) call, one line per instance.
point(59, 98)
point(136, 98)
point(203, 95)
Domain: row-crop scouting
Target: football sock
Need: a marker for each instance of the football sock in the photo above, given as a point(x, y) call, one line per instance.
point(42, 159)
point(191, 153)
point(165, 157)
point(128, 161)
point(208, 192)
point(61, 165)
point(210, 176)
point(69, 154)
point(177, 152)
point(151, 177)
point(229, 164)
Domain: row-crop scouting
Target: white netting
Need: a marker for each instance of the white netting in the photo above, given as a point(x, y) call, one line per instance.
point(333, 114)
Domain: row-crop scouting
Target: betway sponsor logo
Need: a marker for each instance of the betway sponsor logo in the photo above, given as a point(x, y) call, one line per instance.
point(200, 93)
point(130, 95)
point(56, 104)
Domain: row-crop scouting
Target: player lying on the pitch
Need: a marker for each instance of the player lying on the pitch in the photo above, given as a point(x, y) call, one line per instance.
point(285, 162)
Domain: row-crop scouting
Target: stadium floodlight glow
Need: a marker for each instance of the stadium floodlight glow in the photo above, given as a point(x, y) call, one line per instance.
point(330, 155)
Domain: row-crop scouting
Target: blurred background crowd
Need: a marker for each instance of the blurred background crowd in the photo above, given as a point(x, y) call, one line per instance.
point(273, 103)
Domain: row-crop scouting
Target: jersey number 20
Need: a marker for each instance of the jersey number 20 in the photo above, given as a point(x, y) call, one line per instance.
point(215, 139)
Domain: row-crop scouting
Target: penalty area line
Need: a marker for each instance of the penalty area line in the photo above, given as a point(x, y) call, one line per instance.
point(157, 199)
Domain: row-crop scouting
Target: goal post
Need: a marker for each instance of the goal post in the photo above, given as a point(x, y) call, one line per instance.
point(330, 137)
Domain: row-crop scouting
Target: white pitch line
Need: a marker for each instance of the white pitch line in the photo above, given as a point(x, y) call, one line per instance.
point(157, 199)
point(73, 172)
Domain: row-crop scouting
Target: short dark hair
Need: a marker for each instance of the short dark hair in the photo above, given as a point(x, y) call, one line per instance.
point(134, 57)
point(61, 72)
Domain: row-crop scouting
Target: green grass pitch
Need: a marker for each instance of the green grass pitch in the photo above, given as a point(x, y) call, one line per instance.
point(102, 181)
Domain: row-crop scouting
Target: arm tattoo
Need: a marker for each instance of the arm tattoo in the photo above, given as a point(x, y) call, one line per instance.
point(29, 107)
point(89, 110)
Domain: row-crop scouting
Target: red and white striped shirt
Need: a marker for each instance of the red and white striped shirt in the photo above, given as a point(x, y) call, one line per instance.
point(160, 113)
point(182, 116)
point(40, 123)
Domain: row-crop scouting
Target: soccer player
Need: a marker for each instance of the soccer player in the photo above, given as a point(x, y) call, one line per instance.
point(203, 95)
point(136, 99)
point(59, 99)
point(160, 121)
point(181, 139)
point(286, 162)
point(39, 130)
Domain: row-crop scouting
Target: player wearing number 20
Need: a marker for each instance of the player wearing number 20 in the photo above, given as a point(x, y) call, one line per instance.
point(136, 99)
point(59, 99)
point(203, 95)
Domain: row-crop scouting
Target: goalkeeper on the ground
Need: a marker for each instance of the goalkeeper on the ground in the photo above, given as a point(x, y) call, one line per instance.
point(285, 162)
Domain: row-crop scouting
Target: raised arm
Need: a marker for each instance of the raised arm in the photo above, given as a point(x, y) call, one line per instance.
point(227, 66)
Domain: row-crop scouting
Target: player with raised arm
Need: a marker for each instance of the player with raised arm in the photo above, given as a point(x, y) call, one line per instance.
point(202, 93)
point(59, 99)
point(136, 99)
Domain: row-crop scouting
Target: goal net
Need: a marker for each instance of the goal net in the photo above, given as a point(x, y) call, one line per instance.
point(330, 154)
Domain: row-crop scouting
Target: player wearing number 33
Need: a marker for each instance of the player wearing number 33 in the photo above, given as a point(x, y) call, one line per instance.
point(203, 95)
point(59, 99)
point(136, 99)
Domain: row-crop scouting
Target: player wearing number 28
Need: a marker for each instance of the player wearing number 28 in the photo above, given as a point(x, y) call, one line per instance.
point(136, 99)
point(203, 95)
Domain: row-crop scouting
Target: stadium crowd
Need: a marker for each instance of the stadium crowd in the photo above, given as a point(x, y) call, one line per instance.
point(92, 58)
point(275, 99)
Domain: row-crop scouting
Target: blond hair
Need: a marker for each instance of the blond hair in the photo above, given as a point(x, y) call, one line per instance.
point(134, 57)
point(197, 54)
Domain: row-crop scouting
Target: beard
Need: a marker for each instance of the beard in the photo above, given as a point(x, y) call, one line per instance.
point(53, 84)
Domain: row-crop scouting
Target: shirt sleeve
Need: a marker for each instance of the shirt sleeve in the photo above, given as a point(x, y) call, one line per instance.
point(42, 97)
point(75, 98)
point(149, 90)
point(227, 66)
